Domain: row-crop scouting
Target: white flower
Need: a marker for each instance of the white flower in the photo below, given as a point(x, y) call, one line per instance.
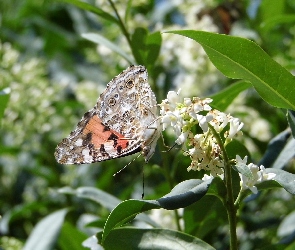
point(241, 161)
point(182, 138)
point(258, 175)
point(172, 97)
point(203, 121)
point(235, 127)
point(203, 148)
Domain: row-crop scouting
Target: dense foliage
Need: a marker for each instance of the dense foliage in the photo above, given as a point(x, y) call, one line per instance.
point(58, 56)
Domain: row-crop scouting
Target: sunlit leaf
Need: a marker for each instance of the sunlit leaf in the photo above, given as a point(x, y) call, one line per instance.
point(86, 6)
point(240, 58)
point(96, 38)
point(46, 232)
point(224, 98)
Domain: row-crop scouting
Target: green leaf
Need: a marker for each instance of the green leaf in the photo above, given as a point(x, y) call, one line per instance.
point(204, 216)
point(286, 155)
point(153, 46)
point(105, 199)
point(93, 9)
point(125, 212)
point(182, 195)
point(4, 98)
point(224, 98)
point(291, 121)
point(270, 9)
point(285, 179)
point(276, 21)
point(235, 148)
point(133, 238)
point(279, 151)
point(45, 233)
point(217, 188)
point(138, 45)
point(96, 38)
point(240, 58)
point(127, 11)
point(287, 226)
point(146, 47)
point(70, 237)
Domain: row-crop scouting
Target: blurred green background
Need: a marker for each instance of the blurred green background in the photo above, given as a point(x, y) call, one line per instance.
point(50, 75)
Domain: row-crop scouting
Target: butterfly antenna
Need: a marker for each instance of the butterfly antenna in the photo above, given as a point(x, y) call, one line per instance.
point(169, 148)
point(126, 165)
point(142, 195)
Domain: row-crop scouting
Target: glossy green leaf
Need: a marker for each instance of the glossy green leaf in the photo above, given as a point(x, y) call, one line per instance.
point(278, 153)
point(86, 6)
point(285, 179)
point(286, 155)
point(182, 195)
point(96, 38)
point(149, 239)
point(125, 212)
point(224, 98)
point(240, 58)
point(46, 232)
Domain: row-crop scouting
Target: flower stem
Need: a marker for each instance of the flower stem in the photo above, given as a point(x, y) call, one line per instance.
point(229, 199)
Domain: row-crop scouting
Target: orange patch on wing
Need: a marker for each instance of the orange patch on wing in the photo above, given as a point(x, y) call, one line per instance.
point(101, 134)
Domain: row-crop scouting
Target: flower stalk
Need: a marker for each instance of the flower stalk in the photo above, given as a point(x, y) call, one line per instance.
point(229, 199)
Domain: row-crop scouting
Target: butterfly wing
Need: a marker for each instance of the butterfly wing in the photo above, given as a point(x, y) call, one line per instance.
point(117, 125)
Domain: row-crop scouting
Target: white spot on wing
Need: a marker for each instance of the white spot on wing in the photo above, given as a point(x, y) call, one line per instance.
point(86, 156)
point(79, 142)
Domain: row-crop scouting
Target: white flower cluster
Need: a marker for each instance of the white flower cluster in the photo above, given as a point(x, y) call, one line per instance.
point(203, 148)
point(257, 175)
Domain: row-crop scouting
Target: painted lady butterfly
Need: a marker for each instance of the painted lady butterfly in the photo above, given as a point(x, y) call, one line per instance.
point(123, 122)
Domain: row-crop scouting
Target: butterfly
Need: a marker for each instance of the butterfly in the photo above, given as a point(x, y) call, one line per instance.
point(124, 121)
